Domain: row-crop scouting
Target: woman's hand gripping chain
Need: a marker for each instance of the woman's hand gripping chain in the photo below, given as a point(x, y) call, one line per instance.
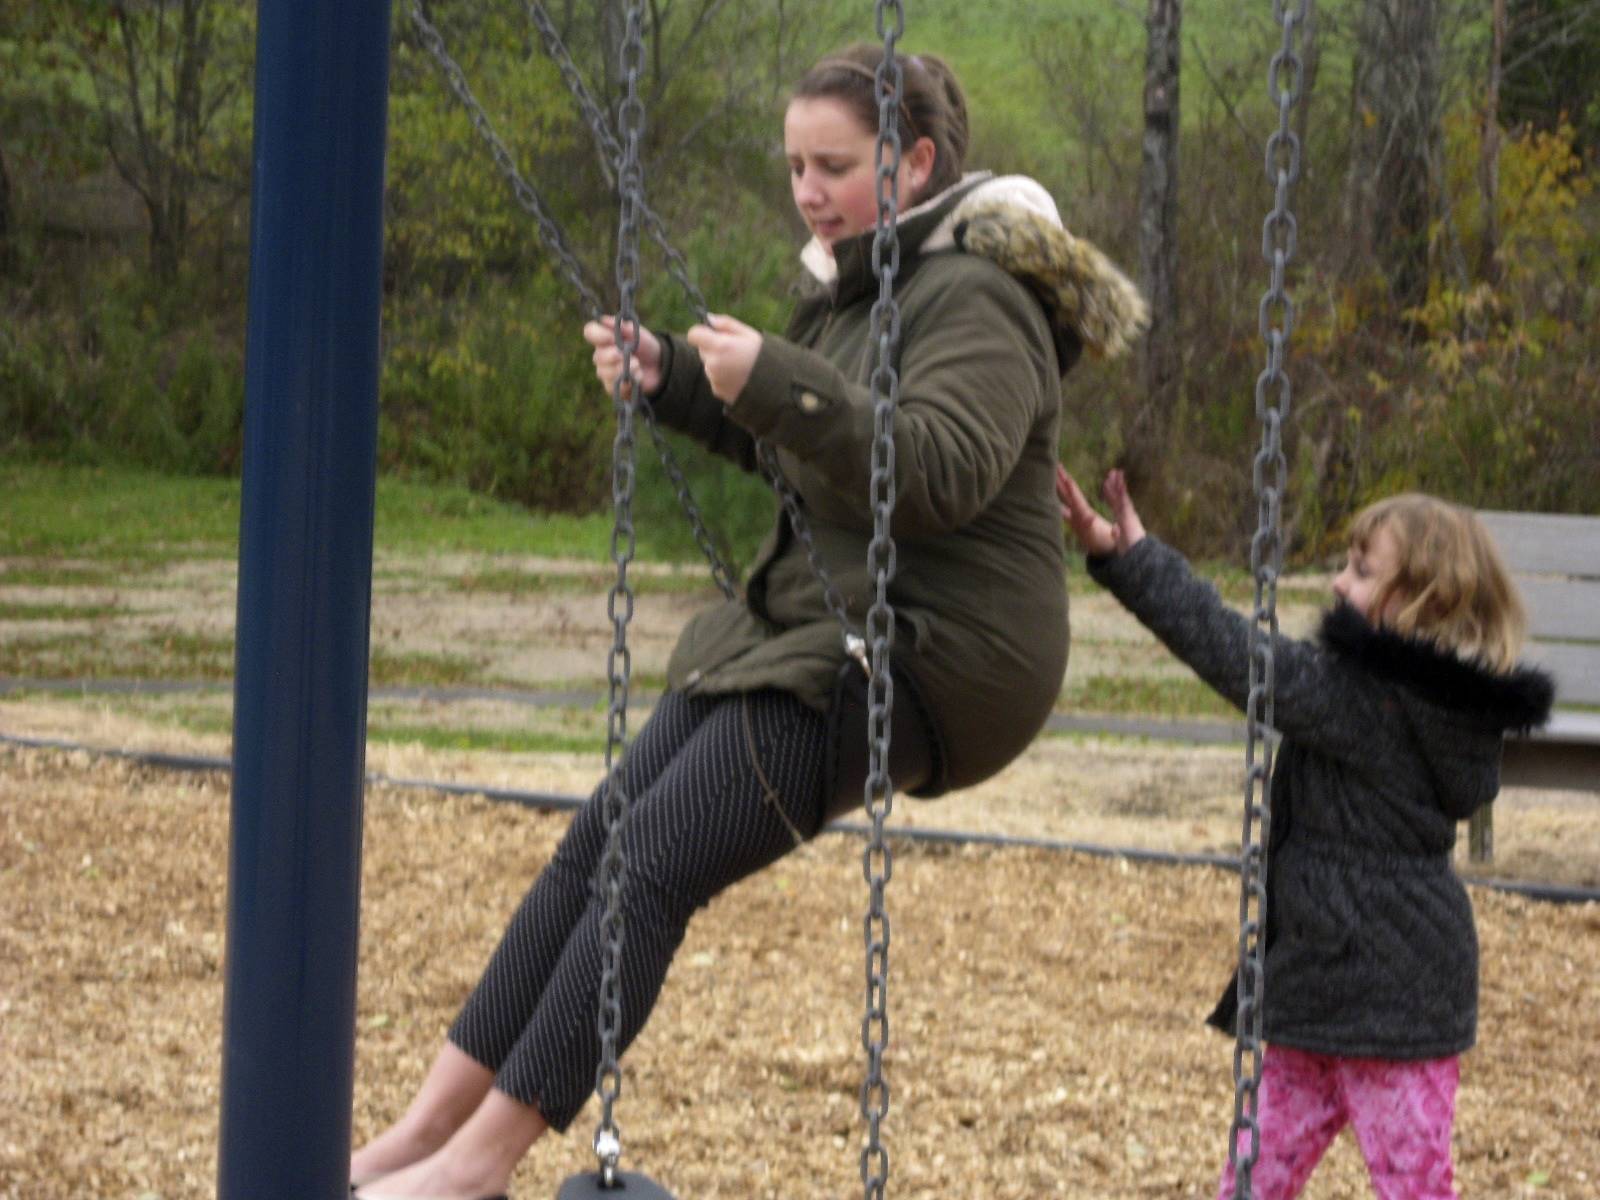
point(646, 366)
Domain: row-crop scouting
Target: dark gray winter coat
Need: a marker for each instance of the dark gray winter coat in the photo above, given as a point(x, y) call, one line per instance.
point(1388, 743)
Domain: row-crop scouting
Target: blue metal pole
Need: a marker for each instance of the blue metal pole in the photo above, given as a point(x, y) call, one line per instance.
point(305, 588)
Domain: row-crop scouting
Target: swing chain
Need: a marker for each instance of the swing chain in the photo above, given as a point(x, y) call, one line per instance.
point(678, 269)
point(877, 863)
point(555, 241)
point(722, 572)
point(767, 458)
point(610, 152)
point(613, 863)
point(527, 195)
point(1270, 480)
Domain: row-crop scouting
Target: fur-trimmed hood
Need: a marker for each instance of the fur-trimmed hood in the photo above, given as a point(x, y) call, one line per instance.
point(1514, 701)
point(1013, 221)
point(1455, 710)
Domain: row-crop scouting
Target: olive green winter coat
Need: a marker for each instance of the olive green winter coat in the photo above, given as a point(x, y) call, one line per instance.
point(979, 594)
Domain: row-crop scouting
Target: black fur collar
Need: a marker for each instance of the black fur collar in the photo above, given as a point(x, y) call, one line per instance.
point(1519, 699)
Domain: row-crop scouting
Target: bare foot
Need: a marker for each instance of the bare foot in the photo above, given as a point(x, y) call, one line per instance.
point(401, 1145)
point(477, 1161)
point(454, 1088)
point(441, 1176)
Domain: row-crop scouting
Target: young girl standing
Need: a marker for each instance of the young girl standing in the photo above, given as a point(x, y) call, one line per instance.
point(1392, 724)
point(747, 753)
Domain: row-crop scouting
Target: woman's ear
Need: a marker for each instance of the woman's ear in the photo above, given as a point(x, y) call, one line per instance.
point(922, 159)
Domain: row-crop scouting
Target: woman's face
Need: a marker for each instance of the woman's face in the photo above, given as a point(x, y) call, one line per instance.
point(1365, 571)
point(831, 168)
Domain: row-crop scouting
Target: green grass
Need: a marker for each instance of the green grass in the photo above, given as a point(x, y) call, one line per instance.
point(511, 741)
point(21, 573)
point(191, 655)
point(1237, 587)
point(388, 669)
point(640, 682)
point(122, 518)
point(10, 611)
point(113, 521)
point(70, 656)
point(115, 515)
point(554, 731)
point(172, 654)
point(418, 517)
point(190, 717)
point(81, 526)
point(1115, 695)
point(167, 654)
point(514, 582)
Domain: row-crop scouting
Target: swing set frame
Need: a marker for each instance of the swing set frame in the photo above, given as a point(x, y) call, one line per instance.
point(305, 583)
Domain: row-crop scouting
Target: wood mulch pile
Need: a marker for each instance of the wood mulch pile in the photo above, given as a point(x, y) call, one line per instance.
point(1046, 1009)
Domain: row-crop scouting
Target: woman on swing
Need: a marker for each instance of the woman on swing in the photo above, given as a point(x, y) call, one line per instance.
point(759, 739)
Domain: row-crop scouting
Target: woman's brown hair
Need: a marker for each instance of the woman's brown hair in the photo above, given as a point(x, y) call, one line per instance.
point(1450, 584)
point(932, 104)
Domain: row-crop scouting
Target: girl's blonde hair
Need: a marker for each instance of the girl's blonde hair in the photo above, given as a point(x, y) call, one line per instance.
point(1451, 585)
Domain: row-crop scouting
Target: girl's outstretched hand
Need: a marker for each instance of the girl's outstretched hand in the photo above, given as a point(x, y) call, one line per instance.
point(646, 367)
point(728, 350)
point(1095, 534)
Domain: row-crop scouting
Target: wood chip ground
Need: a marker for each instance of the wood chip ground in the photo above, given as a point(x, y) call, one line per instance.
point(1046, 1009)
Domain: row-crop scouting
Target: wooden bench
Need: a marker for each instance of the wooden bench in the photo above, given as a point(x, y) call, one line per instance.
point(1555, 560)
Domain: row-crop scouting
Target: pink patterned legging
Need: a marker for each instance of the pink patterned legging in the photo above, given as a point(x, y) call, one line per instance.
point(1402, 1113)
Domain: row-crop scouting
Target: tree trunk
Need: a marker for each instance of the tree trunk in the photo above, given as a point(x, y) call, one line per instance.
point(165, 244)
point(1489, 160)
point(188, 91)
point(7, 248)
point(1161, 363)
point(1394, 153)
point(156, 102)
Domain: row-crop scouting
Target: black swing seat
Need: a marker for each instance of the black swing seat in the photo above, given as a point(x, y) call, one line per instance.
point(629, 1184)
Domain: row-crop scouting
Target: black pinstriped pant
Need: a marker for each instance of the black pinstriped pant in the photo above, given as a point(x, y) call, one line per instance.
point(721, 787)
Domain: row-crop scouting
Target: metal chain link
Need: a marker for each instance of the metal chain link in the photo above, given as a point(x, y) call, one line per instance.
point(610, 152)
point(613, 864)
point(628, 178)
point(594, 116)
point(678, 269)
point(555, 241)
point(722, 571)
point(527, 195)
point(1270, 478)
point(855, 645)
point(877, 864)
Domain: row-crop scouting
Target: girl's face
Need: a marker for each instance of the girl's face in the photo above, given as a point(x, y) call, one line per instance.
point(1365, 571)
point(831, 168)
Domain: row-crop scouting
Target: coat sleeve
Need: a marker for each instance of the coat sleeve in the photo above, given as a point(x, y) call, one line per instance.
point(973, 367)
point(685, 402)
point(1317, 701)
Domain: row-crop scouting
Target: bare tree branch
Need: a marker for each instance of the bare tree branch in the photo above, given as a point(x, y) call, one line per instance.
point(1553, 30)
point(1226, 101)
